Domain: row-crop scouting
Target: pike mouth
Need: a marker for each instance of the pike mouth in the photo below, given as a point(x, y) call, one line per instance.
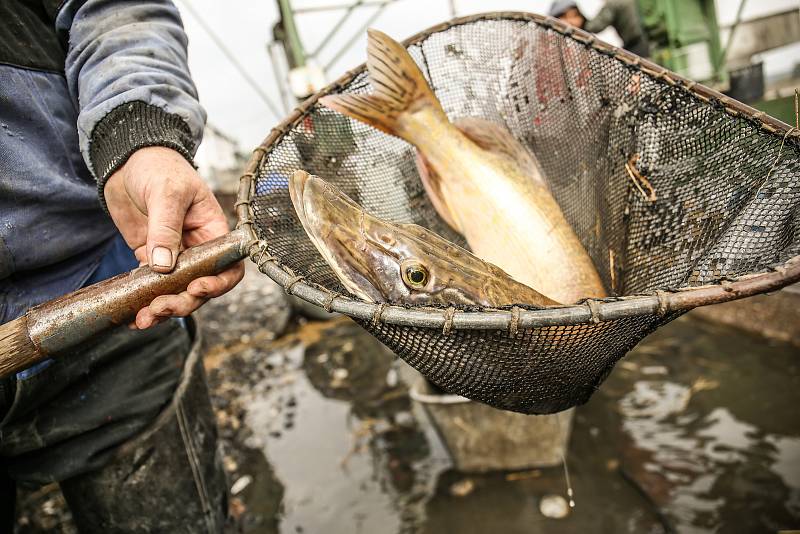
point(334, 222)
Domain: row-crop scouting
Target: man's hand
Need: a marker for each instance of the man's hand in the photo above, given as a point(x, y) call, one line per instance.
point(161, 205)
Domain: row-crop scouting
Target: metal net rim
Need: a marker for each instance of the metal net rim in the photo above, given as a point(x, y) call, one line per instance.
point(511, 318)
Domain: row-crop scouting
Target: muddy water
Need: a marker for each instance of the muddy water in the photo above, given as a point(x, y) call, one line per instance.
point(697, 430)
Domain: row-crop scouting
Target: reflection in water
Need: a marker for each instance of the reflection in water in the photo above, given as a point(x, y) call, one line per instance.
point(699, 456)
point(697, 430)
point(264, 496)
point(711, 462)
point(351, 366)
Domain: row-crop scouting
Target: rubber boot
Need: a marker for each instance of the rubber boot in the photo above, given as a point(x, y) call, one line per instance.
point(168, 479)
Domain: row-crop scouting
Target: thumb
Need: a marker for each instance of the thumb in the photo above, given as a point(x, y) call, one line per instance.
point(164, 232)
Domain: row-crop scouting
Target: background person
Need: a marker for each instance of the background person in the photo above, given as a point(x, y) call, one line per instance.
point(622, 15)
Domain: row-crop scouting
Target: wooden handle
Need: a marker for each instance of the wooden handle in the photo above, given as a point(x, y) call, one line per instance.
point(69, 320)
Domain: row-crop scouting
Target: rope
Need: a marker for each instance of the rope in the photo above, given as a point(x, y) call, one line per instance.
point(594, 310)
point(514, 324)
point(328, 305)
point(232, 59)
point(261, 260)
point(663, 303)
point(447, 327)
point(290, 283)
point(376, 317)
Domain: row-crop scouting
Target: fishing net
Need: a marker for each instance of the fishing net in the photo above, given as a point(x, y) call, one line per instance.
point(681, 196)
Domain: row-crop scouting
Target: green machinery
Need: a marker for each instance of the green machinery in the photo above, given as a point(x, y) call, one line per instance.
point(684, 37)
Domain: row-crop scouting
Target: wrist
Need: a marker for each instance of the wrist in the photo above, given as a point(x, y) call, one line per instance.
point(146, 170)
point(129, 129)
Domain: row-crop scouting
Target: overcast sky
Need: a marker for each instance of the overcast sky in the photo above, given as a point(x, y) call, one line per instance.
point(245, 26)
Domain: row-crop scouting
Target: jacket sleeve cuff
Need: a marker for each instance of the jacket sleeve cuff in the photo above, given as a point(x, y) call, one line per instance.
point(129, 127)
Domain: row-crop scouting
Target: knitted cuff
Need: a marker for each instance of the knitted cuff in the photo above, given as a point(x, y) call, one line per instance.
point(129, 127)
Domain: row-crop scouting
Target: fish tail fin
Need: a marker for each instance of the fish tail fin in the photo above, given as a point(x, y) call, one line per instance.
point(399, 86)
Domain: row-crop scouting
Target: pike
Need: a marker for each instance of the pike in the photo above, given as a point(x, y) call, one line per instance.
point(480, 179)
point(397, 263)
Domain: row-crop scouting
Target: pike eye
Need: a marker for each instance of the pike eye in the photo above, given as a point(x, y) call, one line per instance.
point(415, 275)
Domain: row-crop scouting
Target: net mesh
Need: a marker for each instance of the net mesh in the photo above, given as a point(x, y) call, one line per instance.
point(726, 196)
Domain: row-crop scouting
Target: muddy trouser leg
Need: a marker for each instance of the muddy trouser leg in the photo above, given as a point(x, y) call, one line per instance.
point(169, 479)
point(133, 444)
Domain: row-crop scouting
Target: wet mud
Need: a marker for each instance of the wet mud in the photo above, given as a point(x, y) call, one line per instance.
point(697, 430)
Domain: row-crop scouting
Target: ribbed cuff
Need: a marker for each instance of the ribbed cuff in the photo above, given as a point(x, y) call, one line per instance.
point(132, 126)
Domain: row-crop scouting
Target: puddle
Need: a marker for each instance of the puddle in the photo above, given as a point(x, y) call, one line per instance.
point(718, 438)
point(697, 431)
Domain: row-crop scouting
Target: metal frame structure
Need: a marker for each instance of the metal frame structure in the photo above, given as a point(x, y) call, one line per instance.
point(292, 43)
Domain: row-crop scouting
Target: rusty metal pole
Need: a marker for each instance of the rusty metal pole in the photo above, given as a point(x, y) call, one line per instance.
point(63, 323)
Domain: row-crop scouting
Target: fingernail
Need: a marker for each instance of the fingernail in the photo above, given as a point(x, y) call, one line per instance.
point(162, 257)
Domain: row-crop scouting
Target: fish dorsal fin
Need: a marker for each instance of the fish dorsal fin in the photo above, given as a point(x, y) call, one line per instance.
point(496, 139)
point(398, 84)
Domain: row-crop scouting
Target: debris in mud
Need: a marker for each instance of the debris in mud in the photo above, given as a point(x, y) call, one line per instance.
point(339, 378)
point(240, 484)
point(654, 370)
point(554, 506)
point(523, 475)
point(462, 488)
point(44, 510)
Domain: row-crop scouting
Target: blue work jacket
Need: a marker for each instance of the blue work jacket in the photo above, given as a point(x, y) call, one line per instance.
point(83, 84)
